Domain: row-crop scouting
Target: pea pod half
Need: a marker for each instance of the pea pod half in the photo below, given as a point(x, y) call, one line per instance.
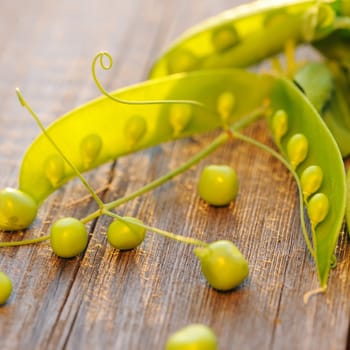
point(102, 130)
point(326, 204)
point(249, 33)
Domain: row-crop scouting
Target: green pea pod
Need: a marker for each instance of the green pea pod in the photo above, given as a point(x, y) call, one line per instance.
point(102, 130)
point(243, 35)
point(304, 120)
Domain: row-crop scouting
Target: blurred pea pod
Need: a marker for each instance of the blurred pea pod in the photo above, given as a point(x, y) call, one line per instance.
point(247, 34)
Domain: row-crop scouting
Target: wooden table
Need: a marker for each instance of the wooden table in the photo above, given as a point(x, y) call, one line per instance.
point(133, 300)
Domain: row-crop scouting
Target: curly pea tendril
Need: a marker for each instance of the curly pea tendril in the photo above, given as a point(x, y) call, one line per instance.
point(101, 57)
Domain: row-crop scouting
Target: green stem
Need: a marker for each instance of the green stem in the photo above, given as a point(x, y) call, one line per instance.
point(103, 54)
point(25, 242)
point(287, 165)
point(219, 141)
point(105, 208)
point(179, 238)
point(43, 129)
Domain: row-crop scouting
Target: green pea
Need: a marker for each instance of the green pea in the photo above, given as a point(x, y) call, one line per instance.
point(17, 209)
point(192, 337)
point(90, 148)
point(318, 208)
point(311, 180)
point(279, 125)
point(224, 38)
point(218, 185)
point(54, 169)
point(179, 117)
point(222, 264)
point(68, 237)
point(135, 129)
point(297, 149)
point(182, 61)
point(5, 288)
point(225, 105)
point(125, 235)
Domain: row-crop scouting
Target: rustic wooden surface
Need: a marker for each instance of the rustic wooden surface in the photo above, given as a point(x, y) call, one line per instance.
point(134, 300)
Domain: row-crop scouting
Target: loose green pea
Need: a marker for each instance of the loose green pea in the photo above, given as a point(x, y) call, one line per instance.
point(17, 209)
point(218, 185)
point(125, 235)
point(297, 149)
point(90, 148)
point(222, 264)
point(279, 125)
point(311, 180)
point(182, 61)
point(318, 208)
point(54, 169)
point(68, 237)
point(179, 117)
point(192, 337)
point(5, 288)
point(225, 105)
point(135, 129)
point(224, 38)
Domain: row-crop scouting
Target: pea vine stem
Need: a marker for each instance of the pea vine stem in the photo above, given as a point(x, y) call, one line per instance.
point(105, 55)
point(271, 151)
point(105, 208)
point(48, 136)
point(24, 242)
point(219, 141)
point(176, 237)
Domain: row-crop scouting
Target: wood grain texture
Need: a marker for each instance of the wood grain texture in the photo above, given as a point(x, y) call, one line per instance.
point(133, 300)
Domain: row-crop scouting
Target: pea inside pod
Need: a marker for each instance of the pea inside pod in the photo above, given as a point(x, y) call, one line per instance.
point(318, 208)
point(297, 149)
point(311, 180)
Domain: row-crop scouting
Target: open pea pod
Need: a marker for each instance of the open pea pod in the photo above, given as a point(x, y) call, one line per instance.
point(249, 33)
point(311, 150)
point(102, 130)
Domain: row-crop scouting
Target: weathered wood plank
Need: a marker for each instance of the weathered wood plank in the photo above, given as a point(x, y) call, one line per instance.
point(132, 300)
